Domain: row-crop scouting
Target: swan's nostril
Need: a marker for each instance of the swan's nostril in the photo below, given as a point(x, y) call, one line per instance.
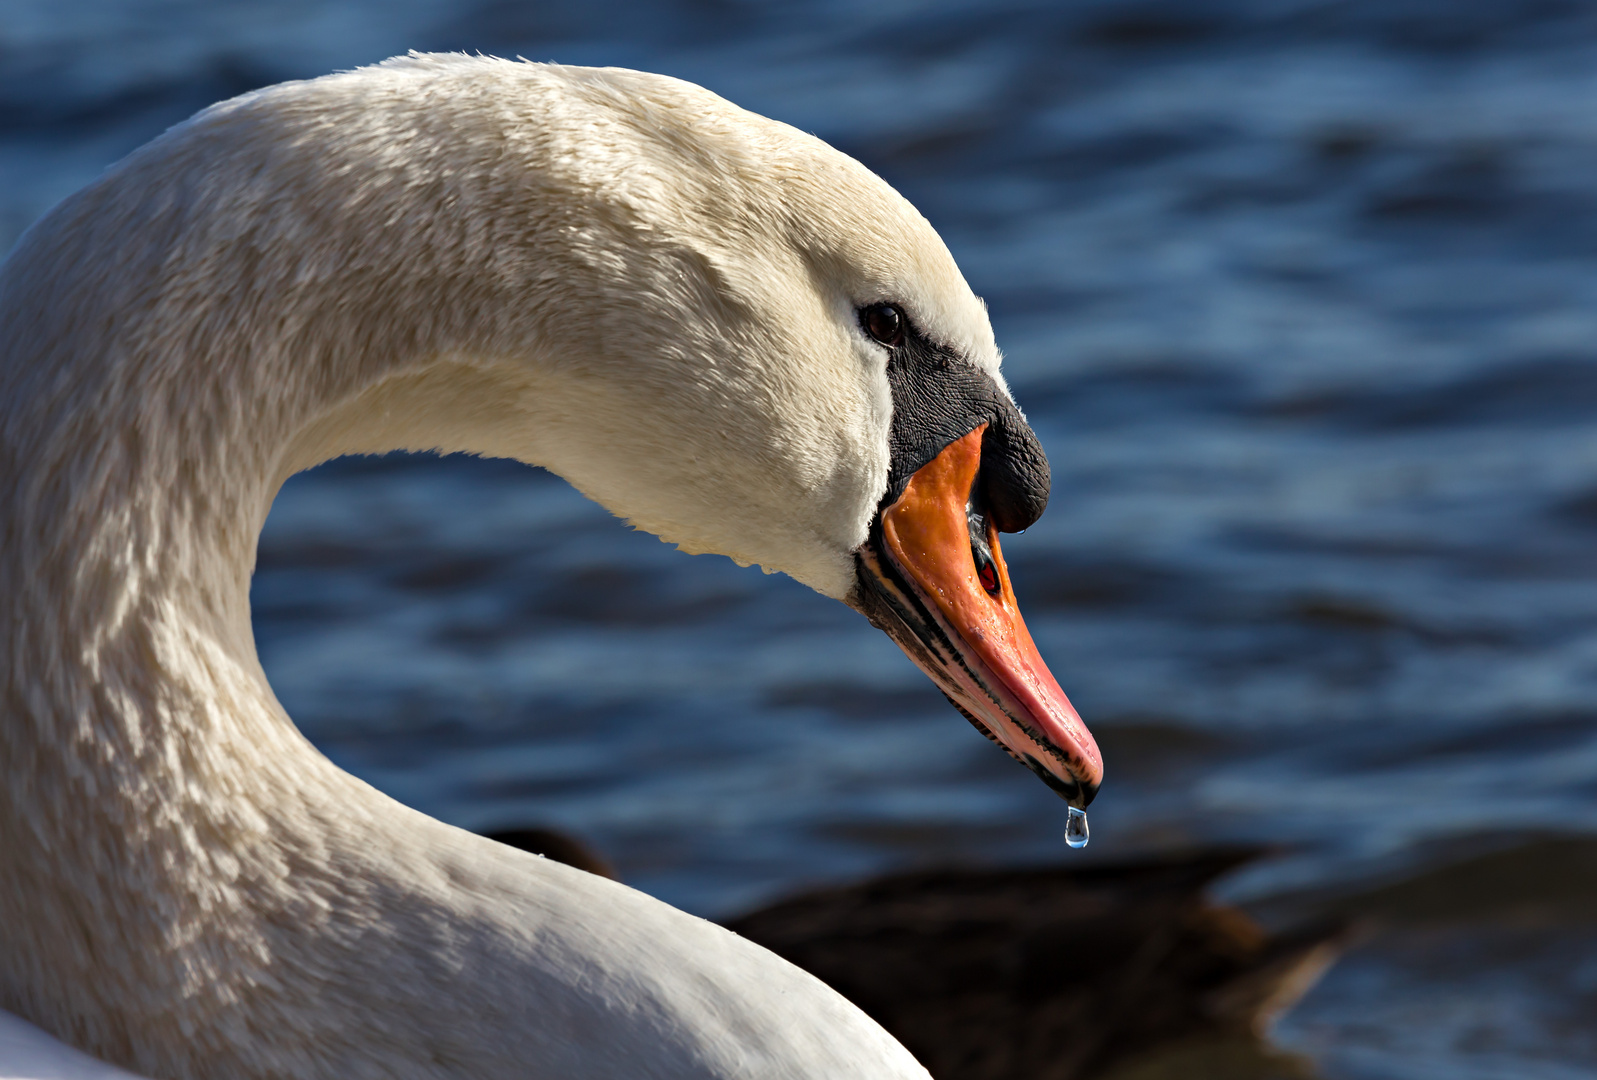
point(981, 553)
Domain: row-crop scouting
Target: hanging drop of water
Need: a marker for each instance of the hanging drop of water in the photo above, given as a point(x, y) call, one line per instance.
point(1076, 832)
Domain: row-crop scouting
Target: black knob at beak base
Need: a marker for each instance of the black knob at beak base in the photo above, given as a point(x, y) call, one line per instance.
point(1014, 478)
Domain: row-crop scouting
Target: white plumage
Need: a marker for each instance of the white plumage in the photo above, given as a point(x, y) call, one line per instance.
point(617, 276)
point(26, 1053)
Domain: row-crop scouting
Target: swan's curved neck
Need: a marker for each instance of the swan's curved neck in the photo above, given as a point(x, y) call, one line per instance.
point(606, 274)
point(164, 827)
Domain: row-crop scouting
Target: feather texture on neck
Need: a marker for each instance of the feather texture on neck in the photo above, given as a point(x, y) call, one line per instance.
point(613, 275)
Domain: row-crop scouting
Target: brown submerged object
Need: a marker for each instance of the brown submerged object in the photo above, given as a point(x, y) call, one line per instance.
point(1048, 974)
point(1044, 974)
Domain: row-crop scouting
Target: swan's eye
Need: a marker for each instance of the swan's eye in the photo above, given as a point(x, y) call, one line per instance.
point(884, 322)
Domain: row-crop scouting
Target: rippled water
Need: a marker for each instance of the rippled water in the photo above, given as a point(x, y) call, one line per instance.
point(1302, 300)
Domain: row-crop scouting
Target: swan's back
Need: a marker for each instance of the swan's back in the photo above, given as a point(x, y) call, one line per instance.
point(26, 1053)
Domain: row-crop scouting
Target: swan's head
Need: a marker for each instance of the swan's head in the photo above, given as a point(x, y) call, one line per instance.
point(742, 340)
point(781, 362)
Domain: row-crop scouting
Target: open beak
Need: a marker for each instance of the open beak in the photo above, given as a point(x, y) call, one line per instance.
point(933, 578)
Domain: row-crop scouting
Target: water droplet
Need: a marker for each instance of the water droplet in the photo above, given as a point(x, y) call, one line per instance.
point(1076, 832)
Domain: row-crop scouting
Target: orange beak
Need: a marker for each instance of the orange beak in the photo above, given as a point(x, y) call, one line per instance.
point(934, 579)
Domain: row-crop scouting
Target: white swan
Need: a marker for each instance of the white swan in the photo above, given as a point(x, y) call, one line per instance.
point(717, 327)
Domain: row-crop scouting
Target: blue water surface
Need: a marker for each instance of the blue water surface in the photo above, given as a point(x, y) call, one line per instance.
point(1301, 297)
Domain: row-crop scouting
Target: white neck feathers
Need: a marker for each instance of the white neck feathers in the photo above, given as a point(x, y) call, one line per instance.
point(187, 887)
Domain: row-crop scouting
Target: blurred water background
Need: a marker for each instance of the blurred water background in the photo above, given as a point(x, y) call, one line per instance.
point(1301, 296)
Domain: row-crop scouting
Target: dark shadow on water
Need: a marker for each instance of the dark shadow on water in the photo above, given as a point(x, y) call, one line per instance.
point(1535, 880)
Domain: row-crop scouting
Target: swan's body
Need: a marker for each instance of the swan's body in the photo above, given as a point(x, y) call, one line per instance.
point(617, 276)
point(26, 1053)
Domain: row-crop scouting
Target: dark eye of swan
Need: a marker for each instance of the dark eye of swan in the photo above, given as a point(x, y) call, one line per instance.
point(884, 322)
